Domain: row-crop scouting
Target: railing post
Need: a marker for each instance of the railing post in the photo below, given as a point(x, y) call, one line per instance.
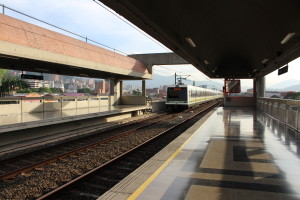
point(99, 103)
point(3, 9)
point(21, 102)
point(88, 104)
point(76, 104)
point(43, 107)
point(61, 106)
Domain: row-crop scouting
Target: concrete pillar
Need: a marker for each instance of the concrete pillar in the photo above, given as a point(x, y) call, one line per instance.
point(143, 88)
point(114, 92)
point(121, 88)
point(261, 86)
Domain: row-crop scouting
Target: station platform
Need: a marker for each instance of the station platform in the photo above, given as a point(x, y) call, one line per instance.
point(11, 122)
point(232, 153)
point(49, 128)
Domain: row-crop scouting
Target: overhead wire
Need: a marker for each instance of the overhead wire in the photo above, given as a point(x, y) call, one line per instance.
point(184, 74)
point(101, 44)
point(130, 24)
point(65, 30)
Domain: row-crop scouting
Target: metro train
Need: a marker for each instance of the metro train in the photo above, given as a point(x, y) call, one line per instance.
point(186, 96)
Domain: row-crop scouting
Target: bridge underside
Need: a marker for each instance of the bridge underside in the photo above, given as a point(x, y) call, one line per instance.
point(223, 39)
point(27, 47)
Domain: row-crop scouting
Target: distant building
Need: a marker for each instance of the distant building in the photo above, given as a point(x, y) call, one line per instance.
point(59, 84)
point(92, 86)
point(165, 87)
point(100, 86)
point(156, 93)
point(250, 91)
point(34, 83)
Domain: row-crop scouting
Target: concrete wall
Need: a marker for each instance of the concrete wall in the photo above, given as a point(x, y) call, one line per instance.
point(133, 100)
point(20, 105)
point(158, 106)
point(239, 101)
point(286, 111)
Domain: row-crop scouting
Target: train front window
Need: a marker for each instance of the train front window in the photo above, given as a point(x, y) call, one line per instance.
point(177, 93)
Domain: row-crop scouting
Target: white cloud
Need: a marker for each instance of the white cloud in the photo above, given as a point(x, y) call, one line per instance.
point(85, 18)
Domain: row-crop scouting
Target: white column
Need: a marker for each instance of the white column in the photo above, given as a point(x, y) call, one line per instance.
point(261, 86)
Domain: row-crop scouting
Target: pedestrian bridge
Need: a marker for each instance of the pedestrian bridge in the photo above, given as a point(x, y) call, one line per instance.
point(26, 47)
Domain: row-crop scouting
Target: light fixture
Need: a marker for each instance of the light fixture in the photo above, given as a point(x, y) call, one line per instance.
point(206, 62)
point(41, 69)
point(287, 38)
point(84, 75)
point(190, 41)
point(264, 61)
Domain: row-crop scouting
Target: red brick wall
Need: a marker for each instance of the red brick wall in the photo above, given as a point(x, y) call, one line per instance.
point(20, 32)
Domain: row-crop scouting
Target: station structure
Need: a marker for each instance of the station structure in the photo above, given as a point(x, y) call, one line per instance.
point(248, 149)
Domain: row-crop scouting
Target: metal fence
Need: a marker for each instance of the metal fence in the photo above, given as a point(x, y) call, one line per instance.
point(286, 111)
point(19, 105)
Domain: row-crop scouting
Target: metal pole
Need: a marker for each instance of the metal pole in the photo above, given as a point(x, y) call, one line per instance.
point(3, 7)
point(175, 78)
point(21, 101)
point(86, 39)
point(43, 107)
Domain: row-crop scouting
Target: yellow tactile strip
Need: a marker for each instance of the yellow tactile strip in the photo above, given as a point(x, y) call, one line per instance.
point(140, 178)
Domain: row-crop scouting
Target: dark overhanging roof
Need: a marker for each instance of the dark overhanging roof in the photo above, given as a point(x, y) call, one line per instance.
point(233, 38)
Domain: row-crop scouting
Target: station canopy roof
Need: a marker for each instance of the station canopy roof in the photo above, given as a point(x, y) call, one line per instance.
point(223, 39)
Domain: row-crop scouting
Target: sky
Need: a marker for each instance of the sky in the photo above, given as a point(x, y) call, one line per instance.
point(87, 18)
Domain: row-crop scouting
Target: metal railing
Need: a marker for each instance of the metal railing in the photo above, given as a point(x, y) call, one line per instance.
point(18, 106)
point(285, 110)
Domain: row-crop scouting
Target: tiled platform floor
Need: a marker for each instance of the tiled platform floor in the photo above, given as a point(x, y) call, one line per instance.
point(236, 154)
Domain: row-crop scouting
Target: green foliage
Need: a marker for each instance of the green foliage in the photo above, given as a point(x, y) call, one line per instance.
point(2, 73)
point(275, 97)
point(292, 95)
point(56, 90)
point(84, 90)
point(26, 90)
point(44, 90)
point(9, 83)
point(40, 90)
point(136, 92)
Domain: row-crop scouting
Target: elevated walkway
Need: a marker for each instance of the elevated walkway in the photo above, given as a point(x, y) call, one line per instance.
point(233, 153)
point(27, 47)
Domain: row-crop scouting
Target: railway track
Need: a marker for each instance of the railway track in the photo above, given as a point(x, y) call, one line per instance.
point(24, 163)
point(95, 157)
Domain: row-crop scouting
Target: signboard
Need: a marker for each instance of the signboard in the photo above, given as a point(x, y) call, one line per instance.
point(28, 76)
point(283, 70)
point(232, 86)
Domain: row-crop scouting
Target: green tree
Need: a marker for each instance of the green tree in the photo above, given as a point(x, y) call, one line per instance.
point(9, 83)
point(56, 90)
point(26, 90)
point(2, 73)
point(84, 90)
point(45, 90)
point(275, 97)
point(293, 95)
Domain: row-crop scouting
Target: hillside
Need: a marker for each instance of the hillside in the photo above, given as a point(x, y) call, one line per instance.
point(159, 80)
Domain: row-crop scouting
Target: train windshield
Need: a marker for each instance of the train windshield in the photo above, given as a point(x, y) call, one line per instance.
point(177, 93)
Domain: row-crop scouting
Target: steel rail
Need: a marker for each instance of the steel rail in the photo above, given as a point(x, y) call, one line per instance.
point(81, 149)
point(60, 188)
